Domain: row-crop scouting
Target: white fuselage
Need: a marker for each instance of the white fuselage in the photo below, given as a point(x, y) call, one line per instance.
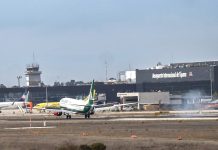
point(73, 104)
point(9, 104)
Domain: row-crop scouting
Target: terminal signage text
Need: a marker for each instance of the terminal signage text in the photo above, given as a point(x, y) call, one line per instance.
point(169, 75)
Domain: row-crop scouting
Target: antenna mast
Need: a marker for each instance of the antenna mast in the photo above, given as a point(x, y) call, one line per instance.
point(34, 59)
point(106, 65)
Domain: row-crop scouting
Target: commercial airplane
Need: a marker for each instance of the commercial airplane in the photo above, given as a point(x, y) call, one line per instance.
point(86, 107)
point(70, 106)
point(47, 105)
point(23, 101)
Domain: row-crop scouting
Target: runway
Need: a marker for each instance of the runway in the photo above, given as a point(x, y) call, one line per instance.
point(23, 128)
point(167, 119)
point(127, 130)
point(118, 116)
point(194, 115)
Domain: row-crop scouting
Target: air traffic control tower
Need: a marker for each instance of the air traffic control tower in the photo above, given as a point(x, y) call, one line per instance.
point(33, 75)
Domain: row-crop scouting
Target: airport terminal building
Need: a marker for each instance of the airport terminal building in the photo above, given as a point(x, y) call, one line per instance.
point(180, 78)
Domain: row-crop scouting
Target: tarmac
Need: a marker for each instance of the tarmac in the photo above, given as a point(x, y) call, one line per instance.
point(117, 130)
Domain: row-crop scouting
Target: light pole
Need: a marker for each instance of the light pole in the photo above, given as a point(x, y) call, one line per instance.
point(211, 84)
point(46, 95)
point(106, 69)
point(18, 79)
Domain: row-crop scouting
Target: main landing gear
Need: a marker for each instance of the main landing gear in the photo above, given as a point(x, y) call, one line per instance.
point(68, 116)
point(87, 116)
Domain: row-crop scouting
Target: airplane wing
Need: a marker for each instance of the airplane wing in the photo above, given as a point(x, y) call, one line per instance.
point(59, 110)
point(104, 105)
point(6, 104)
point(127, 104)
point(114, 107)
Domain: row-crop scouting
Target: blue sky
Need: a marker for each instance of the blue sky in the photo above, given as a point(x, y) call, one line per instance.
point(72, 39)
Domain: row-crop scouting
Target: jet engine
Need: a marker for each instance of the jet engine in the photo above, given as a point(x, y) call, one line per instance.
point(57, 113)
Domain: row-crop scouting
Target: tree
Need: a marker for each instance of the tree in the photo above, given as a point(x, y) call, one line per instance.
point(57, 83)
point(2, 86)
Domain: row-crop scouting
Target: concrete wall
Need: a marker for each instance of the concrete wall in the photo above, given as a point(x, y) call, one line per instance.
point(147, 97)
point(154, 98)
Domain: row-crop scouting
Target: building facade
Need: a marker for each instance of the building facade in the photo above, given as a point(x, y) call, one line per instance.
point(180, 78)
point(177, 79)
point(33, 76)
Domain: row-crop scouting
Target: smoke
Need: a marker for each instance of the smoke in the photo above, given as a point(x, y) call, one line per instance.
point(192, 96)
point(192, 100)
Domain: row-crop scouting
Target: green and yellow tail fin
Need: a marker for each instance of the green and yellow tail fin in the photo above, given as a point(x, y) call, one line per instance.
point(91, 96)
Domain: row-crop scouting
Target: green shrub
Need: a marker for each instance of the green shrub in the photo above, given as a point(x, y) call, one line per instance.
point(94, 146)
point(98, 146)
point(84, 147)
